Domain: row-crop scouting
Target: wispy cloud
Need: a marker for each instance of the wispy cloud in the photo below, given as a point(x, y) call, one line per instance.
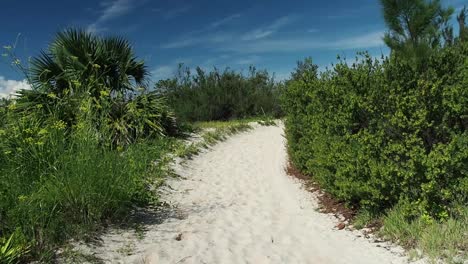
point(192, 40)
point(10, 87)
point(313, 30)
point(111, 10)
point(163, 72)
point(221, 22)
point(205, 35)
point(199, 36)
point(266, 31)
point(173, 13)
point(368, 40)
point(248, 60)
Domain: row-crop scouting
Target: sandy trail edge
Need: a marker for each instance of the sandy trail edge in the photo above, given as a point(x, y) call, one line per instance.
point(235, 204)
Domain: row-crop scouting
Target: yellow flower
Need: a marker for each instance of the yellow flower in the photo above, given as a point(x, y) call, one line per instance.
point(76, 83)
point(60, 125)
point(52, 95)
point(104, 93)
point(42, 131)
point(22, 198)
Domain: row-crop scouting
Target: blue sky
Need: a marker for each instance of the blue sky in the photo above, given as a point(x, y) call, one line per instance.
point(271, 35)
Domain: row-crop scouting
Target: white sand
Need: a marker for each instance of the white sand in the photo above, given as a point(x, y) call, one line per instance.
point(235, 204)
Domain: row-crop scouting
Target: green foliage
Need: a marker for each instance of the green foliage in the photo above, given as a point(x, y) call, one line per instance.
point(416, 27)
point(80, 147)
point(463, 29)
point(211, 133)
point(82, 74)
point(221, 95)
point(376, 134)
point(12, 248)
point(75, 55)
point(57, 183)
point(447, 239)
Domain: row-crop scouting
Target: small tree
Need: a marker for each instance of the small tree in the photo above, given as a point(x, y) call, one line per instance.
point(416, 27)
point(461, 18)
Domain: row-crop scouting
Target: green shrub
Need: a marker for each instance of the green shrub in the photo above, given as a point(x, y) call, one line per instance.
point(447, 239)
point(83, 146)
point(221, 95)
point(376, 134)
point(54, 187)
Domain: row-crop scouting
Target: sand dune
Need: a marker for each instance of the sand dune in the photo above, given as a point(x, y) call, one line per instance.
point(235, 204)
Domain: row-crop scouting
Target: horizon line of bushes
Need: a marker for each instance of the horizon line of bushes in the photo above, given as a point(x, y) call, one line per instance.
point(221, 95)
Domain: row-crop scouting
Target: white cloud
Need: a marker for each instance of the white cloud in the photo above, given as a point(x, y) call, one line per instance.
point(368, 40)
point(223, 21)
point(111, 10)
point(196, 37)
point(248, 60)
point(10, 87)
point(264, 32)
point(233, 43)
point(282, 75)
point(163, 72)
point(170, 14)
point(192, 40)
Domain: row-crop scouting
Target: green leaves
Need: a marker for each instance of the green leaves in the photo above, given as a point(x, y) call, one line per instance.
point(378, 133)
point(416, 28)
point(12, 248)
point(76, 55)
point(222, 95)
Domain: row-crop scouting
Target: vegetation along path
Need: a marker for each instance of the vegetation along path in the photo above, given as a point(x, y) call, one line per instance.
point(236, 204)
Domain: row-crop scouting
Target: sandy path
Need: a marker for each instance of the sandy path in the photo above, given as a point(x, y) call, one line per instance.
point(239, 206)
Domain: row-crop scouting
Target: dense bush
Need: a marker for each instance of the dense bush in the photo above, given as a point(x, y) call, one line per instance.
point(377, 133)
point(80, 147)
point(220, 95)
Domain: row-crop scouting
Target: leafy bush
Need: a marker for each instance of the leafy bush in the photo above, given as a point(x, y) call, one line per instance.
point(220, 95)
point(80, 147)
point(55, 182)
point(379, 133)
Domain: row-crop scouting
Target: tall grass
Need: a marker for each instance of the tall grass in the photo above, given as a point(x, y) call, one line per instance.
point(446, 240)
point(82, 148)
point(55, 186)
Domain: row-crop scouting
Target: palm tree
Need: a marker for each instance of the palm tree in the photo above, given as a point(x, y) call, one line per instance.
point(78, 61)
point(103, 76)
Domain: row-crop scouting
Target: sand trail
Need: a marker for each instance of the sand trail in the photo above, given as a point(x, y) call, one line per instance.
point(235, 204)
